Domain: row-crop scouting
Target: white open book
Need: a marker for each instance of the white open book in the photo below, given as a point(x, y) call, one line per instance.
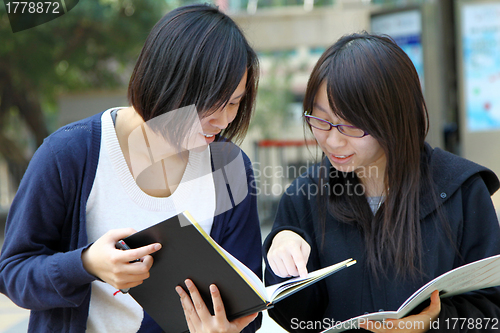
point(479, 274)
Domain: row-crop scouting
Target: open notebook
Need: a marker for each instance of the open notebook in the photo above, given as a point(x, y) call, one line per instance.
point(189, 252)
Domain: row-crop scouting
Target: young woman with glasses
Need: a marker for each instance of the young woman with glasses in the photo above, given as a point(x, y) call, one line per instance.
point(98, 180)
point(381, 195)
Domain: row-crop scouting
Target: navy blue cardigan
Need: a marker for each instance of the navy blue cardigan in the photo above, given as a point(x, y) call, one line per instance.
point(40, 264)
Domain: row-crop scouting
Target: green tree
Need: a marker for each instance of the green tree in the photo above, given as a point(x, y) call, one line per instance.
point(92, 46)
point(272, 111)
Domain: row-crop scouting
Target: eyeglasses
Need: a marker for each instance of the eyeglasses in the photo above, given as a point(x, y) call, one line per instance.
point(325, 125)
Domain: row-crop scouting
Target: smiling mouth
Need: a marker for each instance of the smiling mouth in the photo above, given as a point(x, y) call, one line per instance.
point(342, 156)
point(208, 135)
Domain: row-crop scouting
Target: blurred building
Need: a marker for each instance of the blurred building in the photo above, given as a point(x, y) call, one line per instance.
point(454, 44)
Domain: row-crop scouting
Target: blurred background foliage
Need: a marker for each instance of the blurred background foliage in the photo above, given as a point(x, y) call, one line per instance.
point(93, 46)
point(272, 110)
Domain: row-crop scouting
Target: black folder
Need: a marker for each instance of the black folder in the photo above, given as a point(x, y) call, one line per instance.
point(189, 252)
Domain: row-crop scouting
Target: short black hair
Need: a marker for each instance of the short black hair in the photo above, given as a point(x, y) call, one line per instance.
point(195, 55)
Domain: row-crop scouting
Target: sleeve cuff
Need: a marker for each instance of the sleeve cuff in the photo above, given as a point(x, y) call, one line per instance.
point(69, 270)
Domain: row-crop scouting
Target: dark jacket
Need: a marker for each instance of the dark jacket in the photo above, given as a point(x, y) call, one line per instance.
point(463, 188)
point(40, 265)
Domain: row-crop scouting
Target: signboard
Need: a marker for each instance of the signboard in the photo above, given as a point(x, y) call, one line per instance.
point(480, 35)
point(405, 27)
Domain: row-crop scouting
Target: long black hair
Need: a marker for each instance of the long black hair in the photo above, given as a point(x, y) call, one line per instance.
point(372, 84)
point(195, 55)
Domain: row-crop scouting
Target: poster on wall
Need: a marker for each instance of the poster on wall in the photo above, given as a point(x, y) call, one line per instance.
point(480, 36)
point(405, 27)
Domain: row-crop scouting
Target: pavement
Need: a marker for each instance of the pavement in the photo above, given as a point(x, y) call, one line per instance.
point(14, 319)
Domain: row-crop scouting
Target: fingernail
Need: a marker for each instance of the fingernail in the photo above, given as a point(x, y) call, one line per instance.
point(179, 290)
point(188, 283)
point(157, 247)
point(213, 288)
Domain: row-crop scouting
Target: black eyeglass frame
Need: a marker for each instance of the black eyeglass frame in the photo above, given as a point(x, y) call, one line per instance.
point(338, 126)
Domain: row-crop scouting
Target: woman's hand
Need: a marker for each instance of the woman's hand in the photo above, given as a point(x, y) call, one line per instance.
point(415, 324)
point(198, 317)
point(288, 254)
point(103, 260)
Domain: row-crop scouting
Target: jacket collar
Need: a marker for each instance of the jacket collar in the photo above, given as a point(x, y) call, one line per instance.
point(449, 172)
